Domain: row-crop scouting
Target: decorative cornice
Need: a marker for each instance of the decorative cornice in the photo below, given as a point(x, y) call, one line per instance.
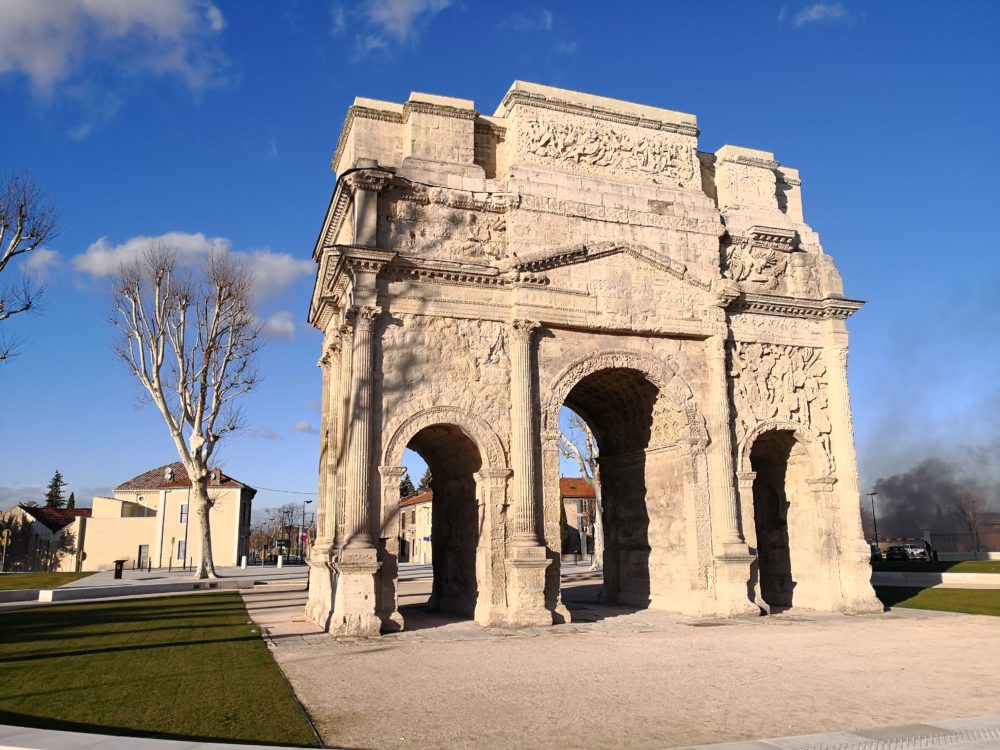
point(550, 258)
point(773, 238)
point(441, 110)
point(368, 179)
point(488, 128)
point(515, 97)
point(367, 113)
point(831, 308)
point(752, 161)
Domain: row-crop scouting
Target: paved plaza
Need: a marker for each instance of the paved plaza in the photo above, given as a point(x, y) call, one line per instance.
point(618, 677)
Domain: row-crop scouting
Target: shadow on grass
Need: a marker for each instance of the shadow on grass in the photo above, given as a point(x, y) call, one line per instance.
point(12, 718)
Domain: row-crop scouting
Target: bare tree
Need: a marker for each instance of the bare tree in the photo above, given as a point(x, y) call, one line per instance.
point(191, 342)
point(966, 510)
point(27, 221)
point(581, 447)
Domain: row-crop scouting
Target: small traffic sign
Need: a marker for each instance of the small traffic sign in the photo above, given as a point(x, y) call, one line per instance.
point(4, 537)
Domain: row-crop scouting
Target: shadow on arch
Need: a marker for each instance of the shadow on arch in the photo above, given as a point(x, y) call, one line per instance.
point(462, 452)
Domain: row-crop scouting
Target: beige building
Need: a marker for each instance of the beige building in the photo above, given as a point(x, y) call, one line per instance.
point(477, 273)
point(415, 524)
point(148, 523)
point(41, 538)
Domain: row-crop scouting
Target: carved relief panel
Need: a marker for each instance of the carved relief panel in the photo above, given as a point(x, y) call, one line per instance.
point(444, 224)
point(609, 150)
point(780, 381)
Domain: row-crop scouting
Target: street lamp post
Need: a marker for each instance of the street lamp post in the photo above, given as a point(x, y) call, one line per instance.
point(874, 520)
point(302, 544)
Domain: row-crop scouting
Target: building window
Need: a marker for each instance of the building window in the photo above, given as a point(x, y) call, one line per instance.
point(181, 550)
point(184, 513)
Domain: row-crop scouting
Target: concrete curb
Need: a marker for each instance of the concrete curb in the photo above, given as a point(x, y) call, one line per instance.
point(103, 592)
point(930, 580)
point(19, 595)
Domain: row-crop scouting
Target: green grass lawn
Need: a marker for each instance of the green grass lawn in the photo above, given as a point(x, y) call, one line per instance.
point(10, 581)
point(189, 667)
point(969, 601)
point(917, 566)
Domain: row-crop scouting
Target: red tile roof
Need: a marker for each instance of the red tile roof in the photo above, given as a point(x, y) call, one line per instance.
point(156, 479)
point(54, 518)
point(420, 497)
point(575, 487)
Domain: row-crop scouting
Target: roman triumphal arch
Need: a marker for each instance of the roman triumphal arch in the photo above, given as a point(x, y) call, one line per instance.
point(478, 273)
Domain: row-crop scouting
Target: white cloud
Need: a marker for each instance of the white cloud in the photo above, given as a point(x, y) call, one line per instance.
point(262, 433)
point(305, 427)
point(40, 262)
point(522, 23)
point(377, 23)
point(272, 272)
point(281, 325)
point(399, 18)
point(339, 19)
point(50, 41)
point(821, 12)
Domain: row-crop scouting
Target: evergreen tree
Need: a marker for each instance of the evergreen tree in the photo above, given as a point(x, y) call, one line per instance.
point(71, 503)
point(406, 488)
point(54, 493)
point(425, 482)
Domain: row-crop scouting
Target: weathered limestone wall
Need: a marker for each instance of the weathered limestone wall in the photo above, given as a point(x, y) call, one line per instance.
point(477, 273)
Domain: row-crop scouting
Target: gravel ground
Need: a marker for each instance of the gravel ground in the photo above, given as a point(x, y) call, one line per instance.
point(627, 678)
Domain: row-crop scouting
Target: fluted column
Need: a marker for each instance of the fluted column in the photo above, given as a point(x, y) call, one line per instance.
point(726, 521)
point(325, 502)
point(341, 394)
point(523, 434)
point(358, 490)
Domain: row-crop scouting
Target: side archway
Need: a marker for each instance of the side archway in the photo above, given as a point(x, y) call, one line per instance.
point(468, 525)
point(789, 517)
point(476, 428)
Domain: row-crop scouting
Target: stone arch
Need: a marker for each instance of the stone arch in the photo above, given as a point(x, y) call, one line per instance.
point(490, 496)
point(657, 490)
point(807, 437)
point(476, 428)
point(661, 374)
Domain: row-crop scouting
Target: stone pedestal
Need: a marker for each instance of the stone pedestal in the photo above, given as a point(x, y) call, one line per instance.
point(354, 594)
point(526, 588)
point(732, 583)
point(320, 603)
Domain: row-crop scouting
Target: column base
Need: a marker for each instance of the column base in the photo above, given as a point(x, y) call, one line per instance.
point(526, 587)
point(320, 603)
point(855, 583)
point(354, 594)
point(732, 583)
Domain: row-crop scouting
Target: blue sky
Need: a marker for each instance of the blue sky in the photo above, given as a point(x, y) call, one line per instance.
point(216, 121)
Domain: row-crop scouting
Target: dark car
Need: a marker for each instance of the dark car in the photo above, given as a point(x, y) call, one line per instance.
point(876, 552)
point(897, 553)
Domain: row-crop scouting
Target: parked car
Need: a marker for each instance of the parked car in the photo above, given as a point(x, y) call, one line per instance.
point(917, 551)
point(897, 553)
point(876, 552)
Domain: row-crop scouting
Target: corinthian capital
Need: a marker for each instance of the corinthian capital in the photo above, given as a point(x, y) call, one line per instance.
point(521, 330)
point(362, 316)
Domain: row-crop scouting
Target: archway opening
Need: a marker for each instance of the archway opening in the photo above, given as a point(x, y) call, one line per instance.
point(782, 527)
point(441, 529)
point(618, 406)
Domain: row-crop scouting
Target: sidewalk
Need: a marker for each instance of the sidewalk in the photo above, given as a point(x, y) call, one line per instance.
point(977, 733)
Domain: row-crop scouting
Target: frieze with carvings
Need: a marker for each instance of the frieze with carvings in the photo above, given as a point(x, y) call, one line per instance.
point(606, 150)
point(440, 230)
point(780, 381)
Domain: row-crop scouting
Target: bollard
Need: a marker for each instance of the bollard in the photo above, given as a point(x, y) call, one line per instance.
point(281, 560)
point(243, 562)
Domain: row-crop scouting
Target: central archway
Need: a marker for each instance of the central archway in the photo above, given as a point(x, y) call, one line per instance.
point(649, 431)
